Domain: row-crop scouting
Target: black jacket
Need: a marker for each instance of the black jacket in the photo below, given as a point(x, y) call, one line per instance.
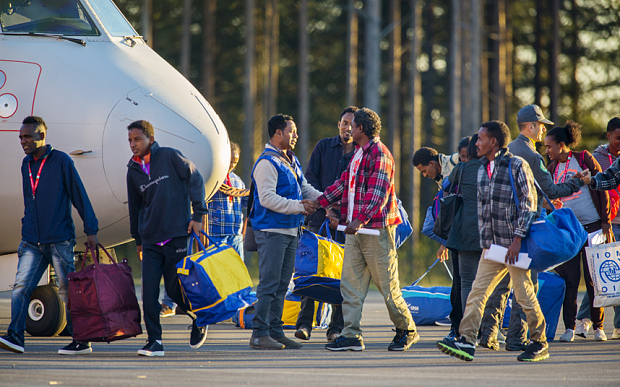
point(159, 203)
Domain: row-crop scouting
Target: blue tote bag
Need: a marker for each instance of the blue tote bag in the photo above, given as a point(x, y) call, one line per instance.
point(553, 240)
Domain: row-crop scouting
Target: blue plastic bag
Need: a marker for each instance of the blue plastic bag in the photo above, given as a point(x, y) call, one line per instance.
point(554, 240)
point(403, 230)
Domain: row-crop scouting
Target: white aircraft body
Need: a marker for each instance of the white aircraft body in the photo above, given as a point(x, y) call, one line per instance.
point(81, 66)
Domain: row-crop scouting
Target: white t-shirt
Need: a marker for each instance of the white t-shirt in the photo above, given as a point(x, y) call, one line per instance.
point(354, 166)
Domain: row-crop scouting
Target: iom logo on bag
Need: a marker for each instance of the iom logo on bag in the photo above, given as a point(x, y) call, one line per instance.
point(610, 270)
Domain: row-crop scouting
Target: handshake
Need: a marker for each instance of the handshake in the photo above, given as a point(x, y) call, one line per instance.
point(310, 206)
point(584, 175)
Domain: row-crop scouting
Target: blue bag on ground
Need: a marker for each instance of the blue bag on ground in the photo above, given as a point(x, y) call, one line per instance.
point(554, 240)
point(428, 305)
point(214, 281)
point(318, 267)
point(551, 290)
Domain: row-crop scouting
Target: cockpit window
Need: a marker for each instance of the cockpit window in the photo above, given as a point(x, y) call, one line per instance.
point(112, 19)
point(65, 17)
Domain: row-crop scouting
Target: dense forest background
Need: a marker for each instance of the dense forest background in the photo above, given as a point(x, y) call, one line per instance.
point(434, 70)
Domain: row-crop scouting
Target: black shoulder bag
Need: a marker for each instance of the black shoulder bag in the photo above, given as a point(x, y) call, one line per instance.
point(448, 208)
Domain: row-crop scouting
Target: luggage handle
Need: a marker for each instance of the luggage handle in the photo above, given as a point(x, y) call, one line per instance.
point(328, 232)
point(94, 252)
point(429, 269)
point(200, 245)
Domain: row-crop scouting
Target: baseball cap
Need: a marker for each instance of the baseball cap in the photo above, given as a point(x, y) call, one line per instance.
point(532, 113)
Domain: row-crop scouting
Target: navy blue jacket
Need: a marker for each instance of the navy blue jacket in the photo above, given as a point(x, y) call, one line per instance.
point(326, 165)
point(47, 216)
point(159, 202)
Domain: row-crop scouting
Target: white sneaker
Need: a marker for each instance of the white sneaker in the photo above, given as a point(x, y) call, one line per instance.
point(582, 327)
point(616, 334)
point(599, 335)
point(569, 335)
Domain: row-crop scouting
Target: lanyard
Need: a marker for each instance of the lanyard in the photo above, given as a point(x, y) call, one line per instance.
point(489, 172)
point(555, 179)
point(228, 183)
point(35, 183)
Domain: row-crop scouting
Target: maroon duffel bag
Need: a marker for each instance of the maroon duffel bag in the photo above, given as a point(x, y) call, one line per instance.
point(102, 301)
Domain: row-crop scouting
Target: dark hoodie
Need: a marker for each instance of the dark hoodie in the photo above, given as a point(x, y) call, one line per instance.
point(159, 203)
point(47, 217)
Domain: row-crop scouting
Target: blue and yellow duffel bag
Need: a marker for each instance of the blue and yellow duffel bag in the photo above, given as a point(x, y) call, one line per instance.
point(215, 282)
point(318, 267)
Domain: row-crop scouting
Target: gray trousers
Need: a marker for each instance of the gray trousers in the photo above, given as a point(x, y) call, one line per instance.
point(276, 260)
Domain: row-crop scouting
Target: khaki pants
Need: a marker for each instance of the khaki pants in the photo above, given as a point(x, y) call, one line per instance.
point(488, 276)
point(366, 257)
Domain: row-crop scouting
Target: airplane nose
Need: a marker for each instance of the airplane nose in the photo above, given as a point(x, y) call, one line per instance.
point(182, 119)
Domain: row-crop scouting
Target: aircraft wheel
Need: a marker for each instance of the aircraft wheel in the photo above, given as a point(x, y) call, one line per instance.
point(46, 312)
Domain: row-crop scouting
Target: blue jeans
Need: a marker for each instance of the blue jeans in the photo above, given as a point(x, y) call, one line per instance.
point(276, 260)
point(234, 241)
point(33, 261)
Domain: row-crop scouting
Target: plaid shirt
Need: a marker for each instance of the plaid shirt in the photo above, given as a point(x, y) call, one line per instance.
point(498, 219)
point(225, 216)
point(375, 202)
point(608, 180)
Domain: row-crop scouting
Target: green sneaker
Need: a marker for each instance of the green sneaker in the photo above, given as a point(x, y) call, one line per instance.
point(536, 351)
point(460, 348)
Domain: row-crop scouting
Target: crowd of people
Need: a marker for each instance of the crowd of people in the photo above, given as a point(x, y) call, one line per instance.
point(349, 181)
point(481, 287)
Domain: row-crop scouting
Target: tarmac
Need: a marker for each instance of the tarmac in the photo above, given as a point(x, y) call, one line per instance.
point(226, 360)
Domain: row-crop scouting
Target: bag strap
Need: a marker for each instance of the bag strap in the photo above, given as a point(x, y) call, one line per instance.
point(94, 252)
point(200, 245)
point(514, 190)
point(325, 226)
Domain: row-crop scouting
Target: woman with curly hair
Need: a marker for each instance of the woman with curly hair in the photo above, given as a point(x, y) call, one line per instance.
point(591, 209)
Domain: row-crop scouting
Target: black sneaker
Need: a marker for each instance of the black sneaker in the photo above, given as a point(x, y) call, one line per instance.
point(11, 343)
point(459, 348)
point(490, 344)
point(536, 351)
point(517, 347)
point(152, 348)
point(303, 333)
point(403, 340)
point(76, 348)
point(198, 336)
point(346, 344)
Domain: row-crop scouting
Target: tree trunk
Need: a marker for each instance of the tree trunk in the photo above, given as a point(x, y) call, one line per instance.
point(373, 55)
point(249, 92)
point(497, 62)
point(303, 121)
point(208, 50)
point(394, 121)
point(147, 21)
point(270, 84)
point(476, 61)
point(186, 39)
point(538, 49)
point(415, 90)
point(509, 62)
point(454, 97)
point(553, 59)
point(352, 34)
point(468, 127)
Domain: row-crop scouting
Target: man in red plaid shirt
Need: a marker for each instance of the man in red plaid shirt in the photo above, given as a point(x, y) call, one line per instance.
point(366, 189)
